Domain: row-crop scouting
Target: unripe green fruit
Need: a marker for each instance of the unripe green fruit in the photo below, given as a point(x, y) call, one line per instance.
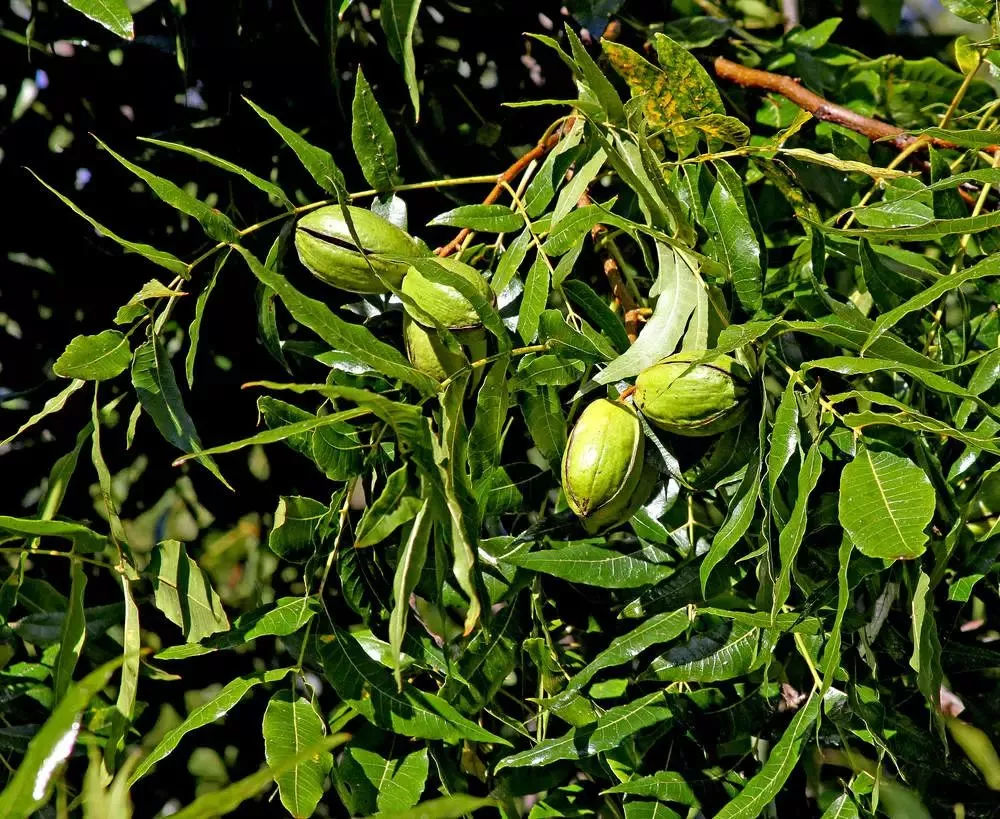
point(604, 474)
point(978, 748)
point(428, 353)
point(439, 303)
point(702, 400)
point(328, 250)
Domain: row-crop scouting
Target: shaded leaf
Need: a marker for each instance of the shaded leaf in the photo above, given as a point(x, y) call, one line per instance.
point(156, 387)
point(29, 786)
point(399, 17)
point(607, 733)
point(371, 690)
point(206, 713)
point(184, 593)
point(372, 138)
point(783, 758)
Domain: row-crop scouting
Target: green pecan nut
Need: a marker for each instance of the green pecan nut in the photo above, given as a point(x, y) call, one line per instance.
point(428, 353)
point(327, 248)
point(603, 465)
point(431, 302)
point(704, 400)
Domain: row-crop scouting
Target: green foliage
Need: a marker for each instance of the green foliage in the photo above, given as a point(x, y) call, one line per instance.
point(781, 614)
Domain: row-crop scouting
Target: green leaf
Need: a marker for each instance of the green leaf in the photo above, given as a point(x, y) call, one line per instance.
point(205, 714)
point(370, 689)
point(269, 188)
point(290, 432)
point(666, 786)
point(597, 311)
point(595, 79)
point(408, 570)
point(783, 758)
point(607, 733)
point(112, 14)
point(84, 539)
point(569, 196)
point(723, 653)
point(353, 339)
point(739, 516)
point(660, 628)
point(134, 308)
point(194, 331)
point(546, 424)
point(987, 267)
point(676, 288)
point(486, 662)
point(399, 18)
point(73, 634)
point(393, 785)
point(291, 725)
point(926, 656)
point(160, 257)
point(486, 435)
point(510, 261)
point(552, 173)
point(121, 719)
point(445, 807)
point(28, 788)
point(53, 405)
point(219, 802)
point(94, 358)
point(794, 530)
point(886, 502)
point(372, 138)
point(847, 365)
point(679, 90)
point(930, 231)
point(298, 528)
point(536, 294)
point(596, 566)
point(279, 619)
point(156, 387)
point(568, 342)
point(734, 242)
point(317, 161)
point(395, 506)
point(184, 593)
point(215, 223)
point(974, 11)
point(491, 218)
point(784, 435)
point(842, 807)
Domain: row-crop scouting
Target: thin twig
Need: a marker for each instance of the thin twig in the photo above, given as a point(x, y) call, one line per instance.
point(821, 108)
point(546, 144)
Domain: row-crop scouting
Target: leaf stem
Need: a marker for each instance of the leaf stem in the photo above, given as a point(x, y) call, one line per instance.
point(482, 362)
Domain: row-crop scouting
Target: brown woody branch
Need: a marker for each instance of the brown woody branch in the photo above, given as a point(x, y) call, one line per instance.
point(613, 274)
point(821, 108)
